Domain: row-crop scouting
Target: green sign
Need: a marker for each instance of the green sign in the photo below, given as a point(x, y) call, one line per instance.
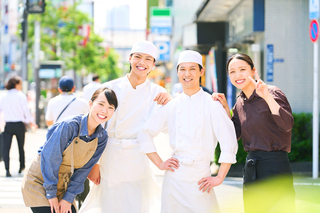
point(158, 11)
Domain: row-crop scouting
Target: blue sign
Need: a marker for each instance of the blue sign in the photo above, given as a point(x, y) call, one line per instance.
point(270, 62)
point(163, 50)
point(278, 60)
point(313, 9)
point(161, 30)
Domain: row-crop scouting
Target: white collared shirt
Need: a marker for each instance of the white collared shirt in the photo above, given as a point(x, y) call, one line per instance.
point(195, 125)
point(89, 89)
point(135, 106)
point(58, 103)
point(14, 106)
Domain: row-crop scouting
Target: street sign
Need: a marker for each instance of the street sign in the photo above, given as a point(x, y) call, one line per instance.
point(270, 61)
point(163, 50)
point(314, 30)
point(161, 25)
point(161, 20)
point(313, 9)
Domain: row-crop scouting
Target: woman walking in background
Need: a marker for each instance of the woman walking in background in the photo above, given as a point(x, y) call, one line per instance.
point(14, 106)
point(263, 119)
point(63, 163)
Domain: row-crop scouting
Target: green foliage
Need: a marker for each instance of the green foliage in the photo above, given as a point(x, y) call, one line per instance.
point(301, 141)
point(60, 40)
point(241, 154)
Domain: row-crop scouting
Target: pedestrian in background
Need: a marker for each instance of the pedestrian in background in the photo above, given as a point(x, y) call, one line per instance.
point(90, 88)
point(195, 125)
point(125, 180)
point(66, 104)
point(63, 163)
point(263, 119)
point(14, 106)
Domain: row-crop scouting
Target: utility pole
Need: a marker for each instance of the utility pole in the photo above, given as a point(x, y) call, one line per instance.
point(36, 7)
point(36, 67)
point(24, 49)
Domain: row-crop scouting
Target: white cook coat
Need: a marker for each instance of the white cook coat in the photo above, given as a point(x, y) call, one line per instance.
point(89, 89)
point(58, 103)
point(127, 184)
point(195, 124)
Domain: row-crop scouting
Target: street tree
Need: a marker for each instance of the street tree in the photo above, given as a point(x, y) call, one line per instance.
point(63, 38)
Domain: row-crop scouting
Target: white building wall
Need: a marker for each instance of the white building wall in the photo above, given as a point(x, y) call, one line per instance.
point(288, 30)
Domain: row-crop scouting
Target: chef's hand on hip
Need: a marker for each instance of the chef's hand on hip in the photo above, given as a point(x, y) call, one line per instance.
point(169, 164)
point(94, 174)
point(54, 204)
point(209, 182)
point(65, 206)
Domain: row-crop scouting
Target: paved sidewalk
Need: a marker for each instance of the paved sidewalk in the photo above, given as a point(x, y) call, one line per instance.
point(229, 194)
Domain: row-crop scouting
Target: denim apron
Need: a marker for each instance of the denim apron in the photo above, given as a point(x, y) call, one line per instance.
point(75, 156)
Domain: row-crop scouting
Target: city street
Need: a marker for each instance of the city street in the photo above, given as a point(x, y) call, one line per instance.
point(10, 193)
point(229, 194)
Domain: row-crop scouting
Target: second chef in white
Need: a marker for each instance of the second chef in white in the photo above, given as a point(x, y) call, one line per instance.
point(195, 124)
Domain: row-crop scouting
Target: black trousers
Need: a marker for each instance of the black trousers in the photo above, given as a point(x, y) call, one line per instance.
point(18, 129)
point(268, 183)
point(47, 209)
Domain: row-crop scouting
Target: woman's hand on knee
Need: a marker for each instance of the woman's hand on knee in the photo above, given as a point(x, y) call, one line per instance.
point(65, 206)
point(54, 204)
point(94, 174)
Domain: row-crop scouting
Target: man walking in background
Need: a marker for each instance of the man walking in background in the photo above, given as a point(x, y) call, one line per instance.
point(65, 104)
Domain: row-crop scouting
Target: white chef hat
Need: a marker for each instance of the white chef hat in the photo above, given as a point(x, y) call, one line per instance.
point(190, 56)
point(144, 47)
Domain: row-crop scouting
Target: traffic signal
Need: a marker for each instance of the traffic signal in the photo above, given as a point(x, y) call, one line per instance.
point(36, 6)
point(23, 21)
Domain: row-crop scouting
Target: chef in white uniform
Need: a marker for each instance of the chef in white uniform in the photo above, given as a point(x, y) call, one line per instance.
point(125, 183)
point(195, 124)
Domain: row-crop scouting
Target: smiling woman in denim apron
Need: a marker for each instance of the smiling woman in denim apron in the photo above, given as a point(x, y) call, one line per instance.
point(263, 119)
point(73, 146)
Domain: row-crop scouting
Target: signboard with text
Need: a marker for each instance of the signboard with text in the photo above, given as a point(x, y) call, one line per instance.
point(163, 50)
point(313, 9)
point(160, 20)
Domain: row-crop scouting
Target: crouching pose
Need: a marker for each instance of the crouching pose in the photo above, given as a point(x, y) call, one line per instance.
point(195, 124)
point(72, 148)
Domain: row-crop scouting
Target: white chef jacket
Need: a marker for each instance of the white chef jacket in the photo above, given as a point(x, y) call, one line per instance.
point(135, 106)
point(89, 89)
point(195, 124)
point(14, 106)
point(127, 183)
point(58, 103)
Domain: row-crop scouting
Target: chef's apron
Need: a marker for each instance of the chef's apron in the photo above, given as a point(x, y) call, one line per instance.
point(180, 189)
point(75, 156)
point(127, 183)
